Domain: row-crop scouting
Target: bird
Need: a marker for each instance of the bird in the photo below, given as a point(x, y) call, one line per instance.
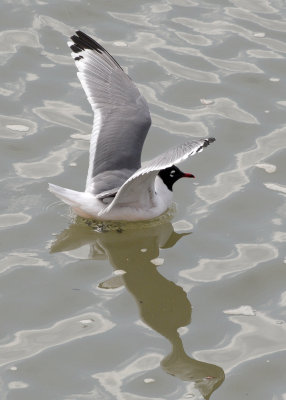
point(118, 186)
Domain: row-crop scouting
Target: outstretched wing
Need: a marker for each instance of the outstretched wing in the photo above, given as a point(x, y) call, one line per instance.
point(121, 115)
point(141, 184)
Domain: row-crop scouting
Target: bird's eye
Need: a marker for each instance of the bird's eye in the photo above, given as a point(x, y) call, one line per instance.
point(172, 173)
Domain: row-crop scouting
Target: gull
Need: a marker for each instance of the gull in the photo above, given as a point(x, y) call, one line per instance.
point(118, 187)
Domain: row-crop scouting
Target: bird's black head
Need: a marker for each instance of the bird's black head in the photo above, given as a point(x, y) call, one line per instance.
point(170, 175)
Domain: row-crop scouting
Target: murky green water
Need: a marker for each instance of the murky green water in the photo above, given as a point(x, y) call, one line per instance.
point(187, 306)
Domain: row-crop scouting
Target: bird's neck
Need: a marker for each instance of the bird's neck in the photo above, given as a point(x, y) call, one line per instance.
point(167, 182)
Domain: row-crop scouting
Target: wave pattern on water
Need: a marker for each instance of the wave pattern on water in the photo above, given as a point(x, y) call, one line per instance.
point(205, 68)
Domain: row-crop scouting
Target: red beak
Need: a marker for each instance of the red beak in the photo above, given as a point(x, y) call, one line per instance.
point(188, 176)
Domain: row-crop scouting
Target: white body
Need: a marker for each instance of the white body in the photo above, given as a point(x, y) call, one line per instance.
point(87, 205)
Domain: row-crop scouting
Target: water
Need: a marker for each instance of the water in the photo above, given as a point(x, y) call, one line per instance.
point(187, 306)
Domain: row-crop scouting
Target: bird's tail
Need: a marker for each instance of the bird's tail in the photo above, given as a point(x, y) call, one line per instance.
point(70, 197)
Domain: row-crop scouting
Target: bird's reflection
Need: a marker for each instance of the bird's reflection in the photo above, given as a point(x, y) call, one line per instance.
point(163, 305)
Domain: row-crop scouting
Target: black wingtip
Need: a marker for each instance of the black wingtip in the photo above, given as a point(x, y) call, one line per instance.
point(210, 140)
point(206, 142)
point(81, 41)
point(75, 48)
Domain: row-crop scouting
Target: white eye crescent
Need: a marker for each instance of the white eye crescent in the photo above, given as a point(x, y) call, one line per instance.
point(172, 173)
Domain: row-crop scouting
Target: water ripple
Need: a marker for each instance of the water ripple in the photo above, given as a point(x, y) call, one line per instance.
point(20, 259)
point(28, 343)
point(231, 181)
point(112, 382)
point(62, 113)
point(221, 107)
point(12, 40)
point(16, 128)
point(257, 6)
point(8, 220)
point(42, 21)
point(152, 45)
point(246, 256)
point(219, 29)
point(51, 165)
point(272, 24)
point(178, 52)
point(257, 337)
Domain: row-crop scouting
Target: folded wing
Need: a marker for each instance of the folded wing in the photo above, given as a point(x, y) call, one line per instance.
point(121, 115)
point(139, 188)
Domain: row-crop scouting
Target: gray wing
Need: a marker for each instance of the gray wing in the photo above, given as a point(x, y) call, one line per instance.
point(141, 183)
point(121, 115)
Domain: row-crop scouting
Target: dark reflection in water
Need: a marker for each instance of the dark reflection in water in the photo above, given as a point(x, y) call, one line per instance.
point(163, 305)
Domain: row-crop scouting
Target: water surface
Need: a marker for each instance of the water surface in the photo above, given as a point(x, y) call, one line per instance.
point(146, 310)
